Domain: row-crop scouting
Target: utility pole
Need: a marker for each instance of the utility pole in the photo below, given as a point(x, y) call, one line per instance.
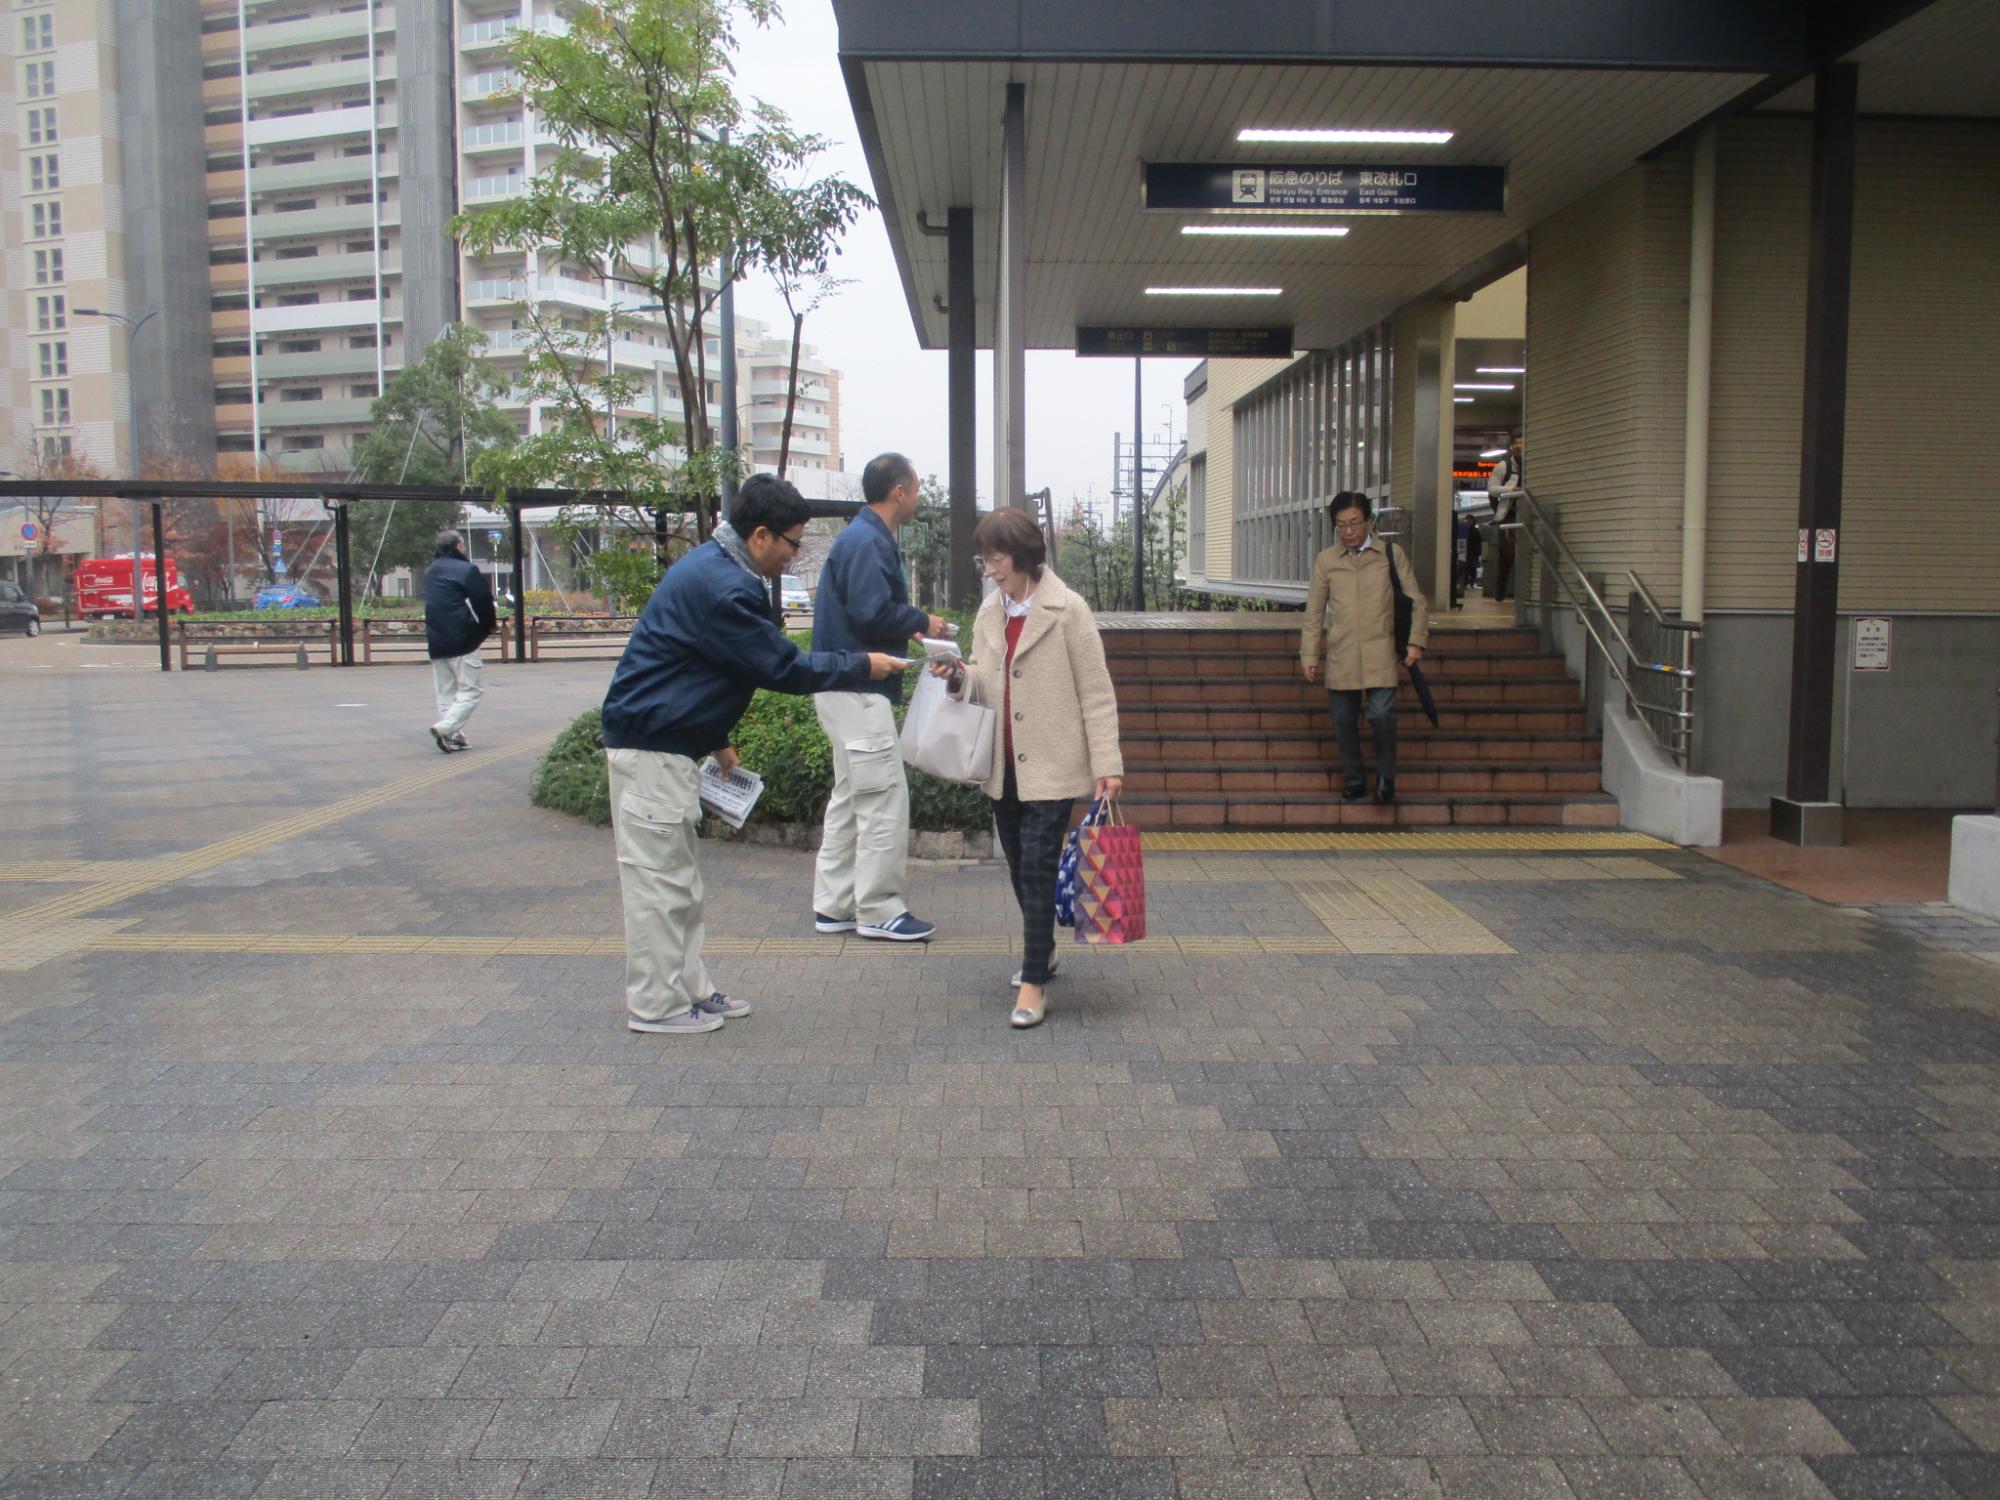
point(1138, 485)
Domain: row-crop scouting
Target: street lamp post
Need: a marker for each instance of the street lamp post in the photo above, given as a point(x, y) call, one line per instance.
point(132, 328)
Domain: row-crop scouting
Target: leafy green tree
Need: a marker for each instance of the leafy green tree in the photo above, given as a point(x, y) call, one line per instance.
point(667, 187)
point(437, 418)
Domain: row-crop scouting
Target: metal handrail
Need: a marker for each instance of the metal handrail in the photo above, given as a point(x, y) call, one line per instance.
point(1674, 736)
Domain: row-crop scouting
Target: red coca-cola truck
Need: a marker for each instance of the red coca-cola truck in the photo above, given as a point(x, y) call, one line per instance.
point(104, 588)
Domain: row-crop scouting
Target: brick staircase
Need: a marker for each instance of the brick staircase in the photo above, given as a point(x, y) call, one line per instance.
point(1221, 732)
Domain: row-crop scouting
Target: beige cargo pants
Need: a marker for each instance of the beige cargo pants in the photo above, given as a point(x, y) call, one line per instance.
point(864, 848)
point(655, 806)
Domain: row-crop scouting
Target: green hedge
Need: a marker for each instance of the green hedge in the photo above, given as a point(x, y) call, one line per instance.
point(780, 739)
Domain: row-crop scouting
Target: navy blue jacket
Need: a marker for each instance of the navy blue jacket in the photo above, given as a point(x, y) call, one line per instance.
point(458, 605)
point(863, 599)
point(703, 644)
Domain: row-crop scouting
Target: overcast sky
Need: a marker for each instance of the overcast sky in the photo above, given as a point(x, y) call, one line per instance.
point(893, 395)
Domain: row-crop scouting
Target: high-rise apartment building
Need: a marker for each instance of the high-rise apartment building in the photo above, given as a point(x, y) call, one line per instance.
point(253, 198)
point(64, 246)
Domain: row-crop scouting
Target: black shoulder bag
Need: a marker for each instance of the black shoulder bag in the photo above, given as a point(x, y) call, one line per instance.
point(1404, 608)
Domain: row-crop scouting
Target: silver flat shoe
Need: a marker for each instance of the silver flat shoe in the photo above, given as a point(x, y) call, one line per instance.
point(1024, 1019)
point(1016, 980)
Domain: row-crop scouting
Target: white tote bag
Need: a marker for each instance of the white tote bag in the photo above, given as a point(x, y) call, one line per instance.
point(946, 737)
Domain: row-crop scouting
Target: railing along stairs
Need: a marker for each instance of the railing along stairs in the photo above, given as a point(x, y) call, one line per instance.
point(1652, 656)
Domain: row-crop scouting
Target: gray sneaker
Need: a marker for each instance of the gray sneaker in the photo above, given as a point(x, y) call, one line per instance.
point(687, 1023)
point(720, 1004)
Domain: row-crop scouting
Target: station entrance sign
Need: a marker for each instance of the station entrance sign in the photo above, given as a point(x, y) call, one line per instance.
point(1187, 343)
point(1324, 187)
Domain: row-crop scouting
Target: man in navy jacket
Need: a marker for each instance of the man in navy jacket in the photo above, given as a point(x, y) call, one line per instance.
point(458, 616)
point(704, 643)
point(863, 604)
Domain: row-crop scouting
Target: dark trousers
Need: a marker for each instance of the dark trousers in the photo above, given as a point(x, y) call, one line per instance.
point(1347, 731)
point(1031, 835)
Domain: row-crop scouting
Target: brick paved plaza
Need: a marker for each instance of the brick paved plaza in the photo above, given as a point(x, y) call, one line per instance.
point(1443, 1165)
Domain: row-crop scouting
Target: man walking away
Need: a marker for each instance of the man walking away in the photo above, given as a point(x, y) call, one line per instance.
point(1503, 489)
point(458, 616)
point(863, 604)
point(1351, 623)
point(704, 643)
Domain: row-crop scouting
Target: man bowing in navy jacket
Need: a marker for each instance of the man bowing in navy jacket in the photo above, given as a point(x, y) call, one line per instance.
point(704, 643)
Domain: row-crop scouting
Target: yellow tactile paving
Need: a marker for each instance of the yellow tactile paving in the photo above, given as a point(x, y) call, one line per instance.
point(1572, 841)
point(72, 871)
point(1393, 913)
point(37, 933)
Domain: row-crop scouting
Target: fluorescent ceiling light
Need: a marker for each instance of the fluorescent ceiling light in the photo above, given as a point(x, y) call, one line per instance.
point(1461, 401)
point(1494, 453)
point(1219, 291)
point(1345, 137)
point(1502, 370)
point(1271, 231)
point(1482, 385)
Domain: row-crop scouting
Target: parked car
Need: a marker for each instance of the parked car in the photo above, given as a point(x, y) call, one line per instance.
point(18, 612)
point(795, 599)
point(285, 596)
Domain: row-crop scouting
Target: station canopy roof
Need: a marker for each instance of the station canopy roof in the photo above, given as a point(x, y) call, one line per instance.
point(1564, 95)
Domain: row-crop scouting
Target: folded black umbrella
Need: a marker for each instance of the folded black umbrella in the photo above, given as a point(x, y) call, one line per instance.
point(1424, 694)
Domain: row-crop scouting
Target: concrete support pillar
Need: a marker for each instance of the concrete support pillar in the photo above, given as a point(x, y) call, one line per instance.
point(962, 468)
point(1010, 322)
point(1807, 813)
point(426, 64)
point(1421, 438)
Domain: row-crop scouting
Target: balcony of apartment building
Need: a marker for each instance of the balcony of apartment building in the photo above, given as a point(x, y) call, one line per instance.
point(297, 32)
point(494, 136)
point(488, 86)
point(274, 173)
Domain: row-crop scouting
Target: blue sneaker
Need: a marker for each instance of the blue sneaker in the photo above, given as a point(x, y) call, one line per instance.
point(720, 1004)
point(903, 929)
point(832, 924)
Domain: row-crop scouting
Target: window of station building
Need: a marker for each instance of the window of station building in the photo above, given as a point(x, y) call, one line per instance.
point(44, 221)
point(38, 33)
point(48, 268)
point(38, 80)
point(52, 360)
point(42, 126)
point(51, 314)
point(44, 173)
point(55, 406)
point(303, 393)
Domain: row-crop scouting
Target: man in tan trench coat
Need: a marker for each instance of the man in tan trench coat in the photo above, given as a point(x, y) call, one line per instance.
point(1350, 627)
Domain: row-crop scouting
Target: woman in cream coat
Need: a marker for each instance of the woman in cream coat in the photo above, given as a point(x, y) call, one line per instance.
point(1038, 662)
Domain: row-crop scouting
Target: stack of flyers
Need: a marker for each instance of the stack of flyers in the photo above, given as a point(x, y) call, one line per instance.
point(729, 795)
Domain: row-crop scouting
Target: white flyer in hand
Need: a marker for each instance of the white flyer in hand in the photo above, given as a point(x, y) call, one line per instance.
point(730, 795)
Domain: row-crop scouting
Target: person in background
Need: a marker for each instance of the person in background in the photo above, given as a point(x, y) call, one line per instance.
point(1350, 622)
point(458, 617)
point(1038, 662)
point(1503, 487)
point(864, 605)
point(704, 643)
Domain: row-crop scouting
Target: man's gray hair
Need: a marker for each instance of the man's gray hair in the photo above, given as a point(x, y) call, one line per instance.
point(451, 539)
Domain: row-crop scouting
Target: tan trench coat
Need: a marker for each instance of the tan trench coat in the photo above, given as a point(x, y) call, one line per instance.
point(1065, 709)
point(1351, 616)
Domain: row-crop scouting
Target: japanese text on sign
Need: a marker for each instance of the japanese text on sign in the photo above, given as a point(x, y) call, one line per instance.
point(1332, 188)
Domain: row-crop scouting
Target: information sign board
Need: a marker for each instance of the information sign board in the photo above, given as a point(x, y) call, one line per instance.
point(1325, 187)
point(1189, 343)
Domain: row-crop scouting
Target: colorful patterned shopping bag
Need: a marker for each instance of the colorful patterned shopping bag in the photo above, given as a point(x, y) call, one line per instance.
point(1110, 882)
point(1066, 870)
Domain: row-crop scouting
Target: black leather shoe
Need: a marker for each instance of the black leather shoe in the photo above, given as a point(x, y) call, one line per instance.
point(1354, 792)
point(1385, 791)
